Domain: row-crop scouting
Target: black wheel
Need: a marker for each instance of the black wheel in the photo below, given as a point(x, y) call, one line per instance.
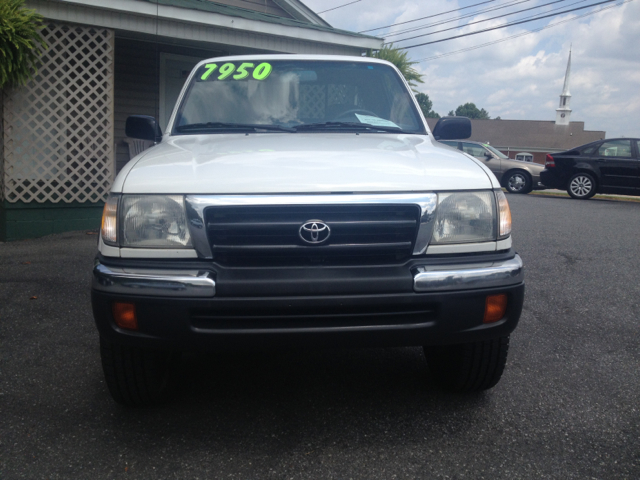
point(518, 182)
point(582, 186)
point(470, 367)
point(136, 377)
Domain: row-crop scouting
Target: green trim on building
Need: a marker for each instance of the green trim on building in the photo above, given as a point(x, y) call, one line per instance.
point(20, 220)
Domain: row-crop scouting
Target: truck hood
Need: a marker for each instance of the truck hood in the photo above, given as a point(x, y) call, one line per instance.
point(300, 163)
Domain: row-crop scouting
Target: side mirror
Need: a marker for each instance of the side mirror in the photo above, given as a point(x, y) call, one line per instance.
point(143, 127)
point(452, 128)
point(488, 155)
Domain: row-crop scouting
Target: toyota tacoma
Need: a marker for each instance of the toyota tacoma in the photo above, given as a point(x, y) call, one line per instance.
point(300, 200)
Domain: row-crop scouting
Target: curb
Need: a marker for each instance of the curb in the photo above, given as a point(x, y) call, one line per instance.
point(616, 198)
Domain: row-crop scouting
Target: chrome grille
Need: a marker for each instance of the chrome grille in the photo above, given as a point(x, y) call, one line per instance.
point(269, 234)
point(424, 203)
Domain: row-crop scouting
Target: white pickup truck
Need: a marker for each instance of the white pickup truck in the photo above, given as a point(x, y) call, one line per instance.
point(300, 200)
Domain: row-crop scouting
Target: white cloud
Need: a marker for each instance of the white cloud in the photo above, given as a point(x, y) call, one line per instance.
point(520, 78)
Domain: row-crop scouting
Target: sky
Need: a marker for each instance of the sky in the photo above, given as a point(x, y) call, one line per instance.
point(519, 78)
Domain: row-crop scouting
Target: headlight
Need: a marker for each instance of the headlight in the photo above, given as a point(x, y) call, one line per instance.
point(465, 217)
point(109, 230)
point(145, 221)
point(504, 212)
point(154, 221)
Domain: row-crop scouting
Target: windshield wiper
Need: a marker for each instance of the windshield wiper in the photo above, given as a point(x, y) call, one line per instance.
point(209, 126)
point(191, 127)
point(348, 125)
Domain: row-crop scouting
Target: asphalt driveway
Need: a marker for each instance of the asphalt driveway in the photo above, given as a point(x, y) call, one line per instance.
point(567, 406)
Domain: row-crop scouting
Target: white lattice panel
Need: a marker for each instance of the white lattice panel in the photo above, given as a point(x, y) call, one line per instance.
point(58, 129)
point(312, 102)
point(340, 94)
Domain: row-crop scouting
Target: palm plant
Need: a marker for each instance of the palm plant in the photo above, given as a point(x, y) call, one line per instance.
point(19, 42)
point(400, 59)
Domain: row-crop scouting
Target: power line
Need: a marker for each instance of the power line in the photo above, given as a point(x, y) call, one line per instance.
point(475, 47)
point(540, 17)
point(467, 15)
point(473, 23)
point(493, 18)
point(339, 6)
point(430, 16)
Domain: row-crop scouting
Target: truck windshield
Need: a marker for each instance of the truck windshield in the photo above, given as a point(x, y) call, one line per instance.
point(294, 96)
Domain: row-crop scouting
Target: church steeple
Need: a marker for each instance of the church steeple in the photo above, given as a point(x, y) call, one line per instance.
point(563, 112)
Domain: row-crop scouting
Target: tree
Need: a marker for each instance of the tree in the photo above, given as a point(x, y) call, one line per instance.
point(425, 105)
point(399, 59)
point(19, 42)
point(470, 110)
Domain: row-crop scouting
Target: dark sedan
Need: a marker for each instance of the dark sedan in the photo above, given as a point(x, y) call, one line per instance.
point(605, 166)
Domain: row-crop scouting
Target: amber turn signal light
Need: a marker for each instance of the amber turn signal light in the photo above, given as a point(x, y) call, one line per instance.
point(495, 307)
point(124, 315)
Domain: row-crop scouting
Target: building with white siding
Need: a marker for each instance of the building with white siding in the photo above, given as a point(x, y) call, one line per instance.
point(62, 136)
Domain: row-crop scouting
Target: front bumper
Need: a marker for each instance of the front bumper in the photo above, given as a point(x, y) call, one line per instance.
point(201, 284)
point(551, 179)
point(415, 304)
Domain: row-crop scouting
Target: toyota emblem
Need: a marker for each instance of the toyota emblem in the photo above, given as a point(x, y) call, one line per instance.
point(314, 232)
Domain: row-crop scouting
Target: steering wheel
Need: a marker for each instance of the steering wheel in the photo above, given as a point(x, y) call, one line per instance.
point(345, 116)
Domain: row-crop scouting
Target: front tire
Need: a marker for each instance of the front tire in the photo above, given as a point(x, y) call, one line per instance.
point(582, 186)
point(518, 182)
point(136, 377)
point(469, 367)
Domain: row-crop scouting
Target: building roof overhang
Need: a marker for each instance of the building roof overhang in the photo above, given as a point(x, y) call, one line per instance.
point(299, 10)
point(187, 19)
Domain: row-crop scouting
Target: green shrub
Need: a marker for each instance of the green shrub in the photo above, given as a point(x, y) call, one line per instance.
point(19, 41)
point(401, 60)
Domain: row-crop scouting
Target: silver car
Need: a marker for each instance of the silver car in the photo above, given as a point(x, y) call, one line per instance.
point(514, 175)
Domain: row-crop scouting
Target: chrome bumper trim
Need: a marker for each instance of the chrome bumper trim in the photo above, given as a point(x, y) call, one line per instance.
point(131, 281)
point(193, 283)
point(467, 277)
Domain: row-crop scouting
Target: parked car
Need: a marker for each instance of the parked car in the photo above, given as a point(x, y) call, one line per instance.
point(605, 166)
point(524, 157)
point(514, 175)
point(300, 200)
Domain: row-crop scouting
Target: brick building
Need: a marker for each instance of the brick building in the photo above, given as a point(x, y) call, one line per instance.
point(537, 137)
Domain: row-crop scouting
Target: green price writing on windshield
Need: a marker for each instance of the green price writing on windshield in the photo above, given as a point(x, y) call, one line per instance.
point(226, 70)
point(261, 72)
point(242, 71)
point(210, 68)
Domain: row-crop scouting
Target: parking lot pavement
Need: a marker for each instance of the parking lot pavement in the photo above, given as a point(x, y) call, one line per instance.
point(567, 406)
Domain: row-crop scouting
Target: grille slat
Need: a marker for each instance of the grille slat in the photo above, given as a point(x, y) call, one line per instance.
point(323, 317)
point(263, 235)
point(331, 248)
point(220, 226)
